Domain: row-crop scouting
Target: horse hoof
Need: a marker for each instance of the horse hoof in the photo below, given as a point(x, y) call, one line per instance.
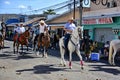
point(45, 56)
point(60, 64)
point(113, 64)
point(64, 65)
point(82, 68)
point(37, 53)
point(70, 67)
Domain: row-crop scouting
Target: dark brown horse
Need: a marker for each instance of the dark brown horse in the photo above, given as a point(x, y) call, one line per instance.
point(44, 42)
point(22, 39)
point(3, 31)
point(1, 42)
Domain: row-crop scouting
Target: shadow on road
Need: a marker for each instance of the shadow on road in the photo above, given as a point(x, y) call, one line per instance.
point(24, 57)
point(4, 55)
point(7, 56)
point(42, 69)
point(56, 53)
point(106, 68)
point(11, 55)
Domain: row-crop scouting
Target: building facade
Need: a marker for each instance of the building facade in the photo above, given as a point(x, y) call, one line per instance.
point(100, 21)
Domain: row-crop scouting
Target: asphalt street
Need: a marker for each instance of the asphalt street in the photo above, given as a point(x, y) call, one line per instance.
point(32, 67)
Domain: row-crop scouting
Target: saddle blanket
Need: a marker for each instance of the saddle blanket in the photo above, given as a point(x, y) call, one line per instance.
point(95, 56)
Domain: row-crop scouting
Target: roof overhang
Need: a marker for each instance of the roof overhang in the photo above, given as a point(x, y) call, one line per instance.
point(109, 12)
point(56, 25)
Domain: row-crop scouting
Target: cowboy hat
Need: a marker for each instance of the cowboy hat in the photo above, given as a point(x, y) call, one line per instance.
point(71, 19)
point(42, 21)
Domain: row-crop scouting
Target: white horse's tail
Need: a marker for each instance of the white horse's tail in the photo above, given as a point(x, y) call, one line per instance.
point(110, 53)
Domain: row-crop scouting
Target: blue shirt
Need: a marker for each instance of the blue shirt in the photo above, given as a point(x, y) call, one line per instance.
point(70, 26)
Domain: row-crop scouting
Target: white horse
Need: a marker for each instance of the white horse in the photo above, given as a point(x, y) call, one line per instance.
point(114, 47)
point(73, 45)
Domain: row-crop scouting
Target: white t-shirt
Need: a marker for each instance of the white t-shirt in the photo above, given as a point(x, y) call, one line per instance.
point(106, 45)
point(20, 30)
point(42, 28)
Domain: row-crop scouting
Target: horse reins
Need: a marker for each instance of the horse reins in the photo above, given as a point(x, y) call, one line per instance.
point(72, 41)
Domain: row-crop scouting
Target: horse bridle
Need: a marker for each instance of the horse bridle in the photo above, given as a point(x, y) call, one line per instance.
point(25, 37)
point(79, 32)
point(73, 42)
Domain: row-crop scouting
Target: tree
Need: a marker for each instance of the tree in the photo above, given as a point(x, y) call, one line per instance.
point(49, 11)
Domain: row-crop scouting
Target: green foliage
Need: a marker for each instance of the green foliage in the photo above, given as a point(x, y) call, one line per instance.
point(49, 11)
point(100, 45)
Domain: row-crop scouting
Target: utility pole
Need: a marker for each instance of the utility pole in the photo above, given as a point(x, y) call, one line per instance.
point(74, 11)
point(80, 12)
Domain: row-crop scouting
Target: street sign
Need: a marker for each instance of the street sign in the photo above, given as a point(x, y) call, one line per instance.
point(86, 3)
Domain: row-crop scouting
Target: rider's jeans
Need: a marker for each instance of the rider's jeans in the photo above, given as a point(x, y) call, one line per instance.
point(66, 39)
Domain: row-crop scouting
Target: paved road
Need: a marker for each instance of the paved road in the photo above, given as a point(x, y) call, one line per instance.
point(32, 67)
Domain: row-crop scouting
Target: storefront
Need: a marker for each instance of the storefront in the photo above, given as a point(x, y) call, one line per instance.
point(102, 29)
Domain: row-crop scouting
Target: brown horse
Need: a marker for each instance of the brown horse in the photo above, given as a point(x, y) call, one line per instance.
point(22, 39)
point(3, 32)
point(1, 42)
point(44, 43)
point(4, 35)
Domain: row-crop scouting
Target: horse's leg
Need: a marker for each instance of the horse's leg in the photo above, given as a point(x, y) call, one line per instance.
point(14, 47)
point(110, 54)
point(17, 48)
point(38, 48)
point(62, 52)
point(22, 52)
point(27, 47)
point(35, 49)
point(33, 46)
point(33, 42)
point(113, 58)
point(44, 51)
point(0, 45)
point(70, 59)
point(80, 57)
point(3, 45)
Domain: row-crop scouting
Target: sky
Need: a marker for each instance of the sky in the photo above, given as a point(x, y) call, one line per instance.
point(22, 6)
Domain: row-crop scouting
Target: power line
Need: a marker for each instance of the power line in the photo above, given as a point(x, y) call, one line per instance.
point(54, 7)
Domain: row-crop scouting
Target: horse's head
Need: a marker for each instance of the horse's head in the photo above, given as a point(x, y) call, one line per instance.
point(78, 32)
point(46, 36)
point(46, 33)
point(27, 33)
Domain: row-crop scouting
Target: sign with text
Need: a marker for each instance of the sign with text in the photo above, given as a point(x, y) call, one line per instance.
point(98, 21)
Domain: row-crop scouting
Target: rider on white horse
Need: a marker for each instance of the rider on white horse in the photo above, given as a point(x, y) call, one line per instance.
point(69, 27)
